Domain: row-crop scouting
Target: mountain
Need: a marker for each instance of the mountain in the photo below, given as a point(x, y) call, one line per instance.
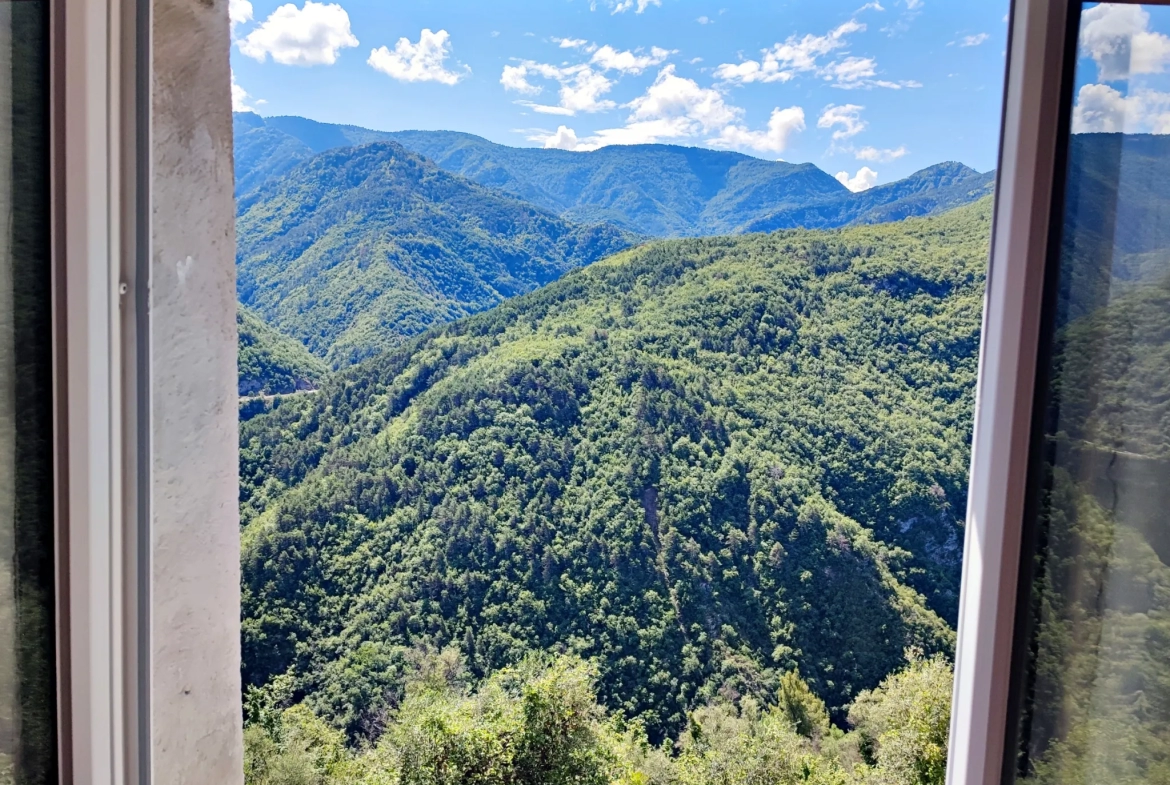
point(358, 248)
point(700, 464)
point(654, 190)
point(272, 363)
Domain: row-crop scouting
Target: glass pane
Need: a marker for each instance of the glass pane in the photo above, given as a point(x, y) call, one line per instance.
point(1097, 687)
point(27, 656)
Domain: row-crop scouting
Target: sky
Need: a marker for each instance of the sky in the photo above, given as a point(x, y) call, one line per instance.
point(1122, 84)
point(868, 91)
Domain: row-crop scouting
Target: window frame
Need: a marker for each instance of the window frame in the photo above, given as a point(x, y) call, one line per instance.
point(1006, 453)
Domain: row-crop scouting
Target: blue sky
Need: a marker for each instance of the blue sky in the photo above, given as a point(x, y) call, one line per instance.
point(876, 90)
point(1122, 84)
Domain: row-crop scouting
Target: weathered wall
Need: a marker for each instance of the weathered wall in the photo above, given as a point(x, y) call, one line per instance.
point(195, 540)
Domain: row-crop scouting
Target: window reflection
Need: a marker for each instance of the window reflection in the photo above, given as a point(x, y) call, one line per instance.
point(27, 675)
point(1097, 689)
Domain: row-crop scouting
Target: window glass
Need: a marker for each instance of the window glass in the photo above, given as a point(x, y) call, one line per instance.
point(1097, 687)
point(607, 373)
point(27, 654)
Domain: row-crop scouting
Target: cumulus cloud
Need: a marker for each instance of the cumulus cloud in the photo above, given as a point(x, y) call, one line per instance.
point(848, 117)
point(865, 179)
point(564, 139)
point(884, 156)
point(673, 97)
point(621, 6)
point(312, 35)
point(974, 40)
point(515, 78)
point(783, 124)
point(610, 59)
point(421, 62)
point(239, 12)
point(240, 97)
point(571, 43)
point(705, 20)
point(581, 87)
point(1102, 109)
point(1119, 39)
point(675, 108)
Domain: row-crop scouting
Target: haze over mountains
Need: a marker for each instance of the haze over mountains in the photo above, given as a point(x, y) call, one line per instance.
point(654, 190)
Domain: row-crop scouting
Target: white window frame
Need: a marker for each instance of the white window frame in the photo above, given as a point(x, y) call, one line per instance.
point(992, 636)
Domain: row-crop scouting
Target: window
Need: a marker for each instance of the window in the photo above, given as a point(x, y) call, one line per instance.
point(612, 448)
point(1094, 687)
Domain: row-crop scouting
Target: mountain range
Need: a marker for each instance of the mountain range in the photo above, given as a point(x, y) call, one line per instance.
point(652, 190)
point(357, 248)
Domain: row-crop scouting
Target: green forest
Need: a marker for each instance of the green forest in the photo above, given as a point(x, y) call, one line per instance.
point(689, 489)
point(357, 249)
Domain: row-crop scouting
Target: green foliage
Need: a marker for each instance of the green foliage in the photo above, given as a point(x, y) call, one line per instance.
point(357, 249)
point(700, 464)
point(539, 724)
point(271, 363)
point(806, 713)
point(902, 725)
point(655, 190)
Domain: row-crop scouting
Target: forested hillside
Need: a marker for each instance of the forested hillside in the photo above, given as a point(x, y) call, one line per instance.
point(699, 464)
point(358, 248)
point(654, 190)
point(272, 363)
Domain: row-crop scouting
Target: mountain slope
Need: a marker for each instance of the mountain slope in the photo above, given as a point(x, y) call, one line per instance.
point(701, 463)
point(656, 190)
point(272, 363)
point(357, 248)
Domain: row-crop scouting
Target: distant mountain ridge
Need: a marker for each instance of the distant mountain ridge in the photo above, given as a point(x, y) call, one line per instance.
point(358, 248)
point(655, 190)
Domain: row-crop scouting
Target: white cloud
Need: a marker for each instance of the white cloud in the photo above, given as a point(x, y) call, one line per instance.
point(1118, 38)
point(1102, 109)
point(610, 59)
point(875, 6)
point(312, 35)
point(239, 12)
point(847, 116)
point(797, 55)
point(865, 179)
point(884, 156)
point(672, 97)
point(515, 78)
point(621, 6)
point(781, 127)
point(240, 97)
point(913, 5)
point(974, 40)
point(421, 62)
point(678, 109)
point(564, 139)
point(570, 43)
point(581, 90)
point(783, 61)
point(705, 20)
point(852, 72)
